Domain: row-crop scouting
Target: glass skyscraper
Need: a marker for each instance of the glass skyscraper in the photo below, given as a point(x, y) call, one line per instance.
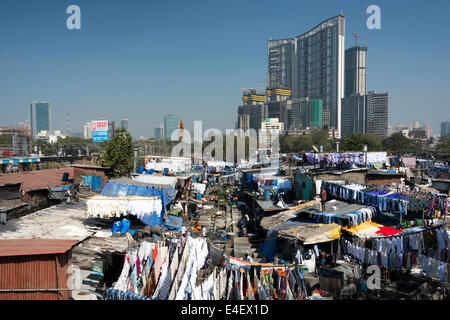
point(170, 124)
point(445, 128)
point(40, 117)
point(355, 70)
point(312, 65)
point(124, 124)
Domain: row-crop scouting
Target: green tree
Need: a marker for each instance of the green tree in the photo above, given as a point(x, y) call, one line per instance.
point(119, 154)
point(320, 138)
point(397, 142)
point(6, 141)
point(443, 145)
point(72, 146)
point(356, 141)
point(46, 148)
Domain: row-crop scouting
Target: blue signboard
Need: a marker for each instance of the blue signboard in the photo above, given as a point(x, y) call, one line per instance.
point(100, 131)
point(100, 136)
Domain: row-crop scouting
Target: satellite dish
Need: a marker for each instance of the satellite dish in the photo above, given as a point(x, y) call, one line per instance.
point(315, 149)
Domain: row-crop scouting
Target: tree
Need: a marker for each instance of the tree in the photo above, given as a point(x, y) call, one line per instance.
point(443, 145)
point(119, 154)
point(356, 141)
point(397, 142)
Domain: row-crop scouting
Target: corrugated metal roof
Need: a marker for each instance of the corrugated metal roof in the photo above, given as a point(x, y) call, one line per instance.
point(36, 180)
point(34, 247)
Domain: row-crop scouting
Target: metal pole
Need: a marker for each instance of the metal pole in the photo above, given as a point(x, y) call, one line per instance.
point(135, 160)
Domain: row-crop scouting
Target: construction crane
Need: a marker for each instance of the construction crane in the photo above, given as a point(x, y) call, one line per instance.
point(262, 81)
point(357, 35)
point(253, 88)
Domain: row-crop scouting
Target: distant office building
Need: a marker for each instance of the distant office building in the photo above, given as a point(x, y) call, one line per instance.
point(355, 71)
point(305, 114)
point(254, 105)
point(279, 104)
point(365, 114)
point(124, 124)
point(326, 117)
point(281, 54)
point(243, 122)
point(111, 129)
point(159, 132)
point(415, 125)
point(316, 113)
point(87, 130)
point(40, 117)
point(269, 127)
point(300, 114)
point(445, 128)
point(354, 114)
point(170, 125)
point(377, 113)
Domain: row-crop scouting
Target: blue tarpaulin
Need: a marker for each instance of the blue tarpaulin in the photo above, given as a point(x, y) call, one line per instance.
point(56, 189)
point(94, 182)
point(96, 185)
point(113, 189)
point(173, 222)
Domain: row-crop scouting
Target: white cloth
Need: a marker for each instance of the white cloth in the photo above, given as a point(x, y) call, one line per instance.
point(199, 187)
point(107, 207)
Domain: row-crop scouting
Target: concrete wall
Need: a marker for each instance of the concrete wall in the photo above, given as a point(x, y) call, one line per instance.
point(355, 177)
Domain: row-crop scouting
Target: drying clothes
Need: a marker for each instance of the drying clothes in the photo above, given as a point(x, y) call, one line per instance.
point(230, 286)
point(141, 206)
point(442, 267)
point(216, 286)
point(199, 187)
point(442, 238)
point(388, 231)
point(222, 284)
point(106, 207)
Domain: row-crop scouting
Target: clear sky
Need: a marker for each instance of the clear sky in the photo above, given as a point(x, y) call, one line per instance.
point(142, 59)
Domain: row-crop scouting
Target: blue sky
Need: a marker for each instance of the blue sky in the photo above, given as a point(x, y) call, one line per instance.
point(142, 59)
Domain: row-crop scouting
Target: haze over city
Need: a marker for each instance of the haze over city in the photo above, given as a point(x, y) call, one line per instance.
point(148, 59)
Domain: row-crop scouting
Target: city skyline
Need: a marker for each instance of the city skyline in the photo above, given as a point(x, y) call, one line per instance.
point(88, 75)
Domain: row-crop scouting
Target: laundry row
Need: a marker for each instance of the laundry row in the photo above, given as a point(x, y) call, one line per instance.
point(156, 271)
point(353, 219)
point(347, 159)
point(433, 268)
point(115, 207)
point(383, 204)
point(431, 242)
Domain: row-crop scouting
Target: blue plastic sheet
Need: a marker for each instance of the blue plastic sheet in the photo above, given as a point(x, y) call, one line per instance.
point(112, 189)
point(96, 185)
point(152, 220)
point(87, 181)
point(173, 222)
point(122, 226)
point(60, 188)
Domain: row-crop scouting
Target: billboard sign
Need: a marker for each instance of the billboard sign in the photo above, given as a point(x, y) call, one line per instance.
point(100, 131)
